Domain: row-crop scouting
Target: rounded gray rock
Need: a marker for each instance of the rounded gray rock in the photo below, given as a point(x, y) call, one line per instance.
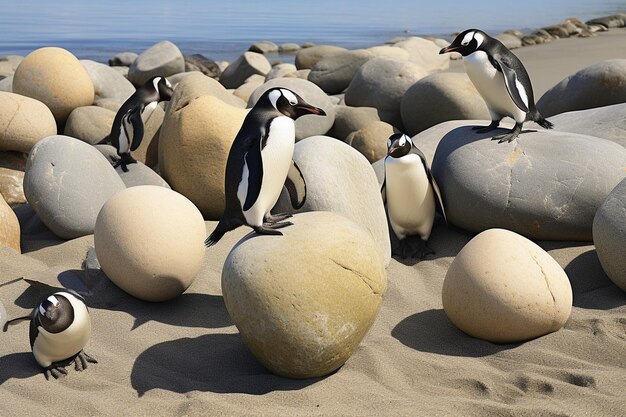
point(350, 119)
point(334, 72)
point(264, 47)
point(424, 53)
point(438, 98)
point(90, 124)
point(139, 174)
point(198, 62)
point(510, 41)
point(309, 125)
point(67, 182)
point(381, 82)
point(123, 59)
point(107, 82)
point(306, 58)
point(605, 122)
point(617, 20)
point(339, 179)
point(280, 70)
point(544, 185)
point(163, 58)
point(609, 235)
point(601, 84)
point(239, 70)
point(288, 48)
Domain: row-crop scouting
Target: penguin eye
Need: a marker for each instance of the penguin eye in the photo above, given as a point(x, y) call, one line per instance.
point(467, 38)
point(388, 143)
point(402, 141)
point(53, 300)
point(291, 97)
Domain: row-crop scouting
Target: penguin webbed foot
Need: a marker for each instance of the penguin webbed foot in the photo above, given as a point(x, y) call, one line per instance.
point(269, 230)
point(484, 129)
point(82, 361)
point(124, 162)
point(508, 137)
point(410, 250)
point(277, 225)
point(275, 218)
point(56, 370)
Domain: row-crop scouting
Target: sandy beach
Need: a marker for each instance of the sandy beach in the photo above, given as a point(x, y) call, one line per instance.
point(185, 357)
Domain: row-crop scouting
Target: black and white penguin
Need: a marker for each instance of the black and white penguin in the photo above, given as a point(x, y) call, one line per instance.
point(411, 194)
point(260, 163)
point(60, 327)
point(127, 130)
point(501, 80)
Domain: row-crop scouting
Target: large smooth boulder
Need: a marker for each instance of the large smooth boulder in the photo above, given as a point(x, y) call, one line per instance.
point(9, 227)
point(163, 59)
point(67, 182)
point(339, 179)
point(239, 70)
point(503, 288)
point(371, 140)
point(280, 70)
point(198, 62)
point(123, 59)
point(425, 54)
point(608, 122)
point(12, 165)
point(23, 122)
point(334, 72)
point(139, 174)
point(306, 58)
point(107, 82)
point(601, 84)
point(544, 185)
point(305, 317)
point(310, 125)
point(196, 85)
point(195, 140)
point(508, 40)
point(381, 82)
point(56, 78)
point(438, 98)
point(90, 124)
point(609, 235)
point(245, 90)
point(149, 242)
point(350, 119)
point(8, 64)
point(264, 47)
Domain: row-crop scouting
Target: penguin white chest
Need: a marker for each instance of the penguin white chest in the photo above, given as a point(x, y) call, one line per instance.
point(54, 347)
point(276, 159)
point(410, 197)
point(490, 84)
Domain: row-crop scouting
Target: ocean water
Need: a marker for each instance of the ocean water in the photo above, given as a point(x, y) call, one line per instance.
point(224, 29)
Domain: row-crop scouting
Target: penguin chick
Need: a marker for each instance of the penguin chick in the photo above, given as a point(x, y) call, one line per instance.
point(410, 193)
point(500, 78)
point(260, 163)
point(128, 126)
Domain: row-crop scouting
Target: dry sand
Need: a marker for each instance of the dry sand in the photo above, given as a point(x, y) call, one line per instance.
point(185, 357)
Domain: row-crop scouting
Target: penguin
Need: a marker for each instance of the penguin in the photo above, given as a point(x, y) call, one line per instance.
point(60, 327)
point(260, 162)
point(128, 125)
point(500, 78)
point(410, 193)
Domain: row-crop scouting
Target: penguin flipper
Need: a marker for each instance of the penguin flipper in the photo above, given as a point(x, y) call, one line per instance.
point(383, 191)
point(254, 164)
point(439, 199)
point(137, 122)
point(296, 186)
point(431, 179)
point(516, 90)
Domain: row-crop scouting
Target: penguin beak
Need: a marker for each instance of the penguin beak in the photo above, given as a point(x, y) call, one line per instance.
point(449, 49)
point(302, 109)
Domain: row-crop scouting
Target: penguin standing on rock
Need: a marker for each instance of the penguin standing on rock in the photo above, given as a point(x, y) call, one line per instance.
point(260, 163)
point(501, 80)
point(60, 328)
point(127, 130)
point(411, 194)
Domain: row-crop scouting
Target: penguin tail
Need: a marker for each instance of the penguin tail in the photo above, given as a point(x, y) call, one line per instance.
point(540, 120)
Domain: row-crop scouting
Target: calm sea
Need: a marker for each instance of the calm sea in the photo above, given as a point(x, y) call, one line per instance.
point(223, 29)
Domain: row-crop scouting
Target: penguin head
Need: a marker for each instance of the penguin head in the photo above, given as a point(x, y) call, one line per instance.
point(288, 103)
point(55, 313)
point(467, 42)
point(399, 145)
point(162, 87)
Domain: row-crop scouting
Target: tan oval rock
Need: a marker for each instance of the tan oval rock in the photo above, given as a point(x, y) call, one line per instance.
point(90, 124)
point(194, 143)
point(503, 288)
point(303, 302)
point(371, 140)
point(23, 122)
point(55, 77)
point(9, 227)
point(149, 241)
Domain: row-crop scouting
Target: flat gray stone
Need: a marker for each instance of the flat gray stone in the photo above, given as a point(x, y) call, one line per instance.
point(162, 59)
point(381, 82)
point(107, 82)
point(544, 185)
point(608, 122)
point(438, 98)
point(339, 179)
point(609, 235)
point(67, 182)
point(239, 70)
point(139, 174)
point(601, 84)
point(310, 125)
point(288, 48)
point(264, 47)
